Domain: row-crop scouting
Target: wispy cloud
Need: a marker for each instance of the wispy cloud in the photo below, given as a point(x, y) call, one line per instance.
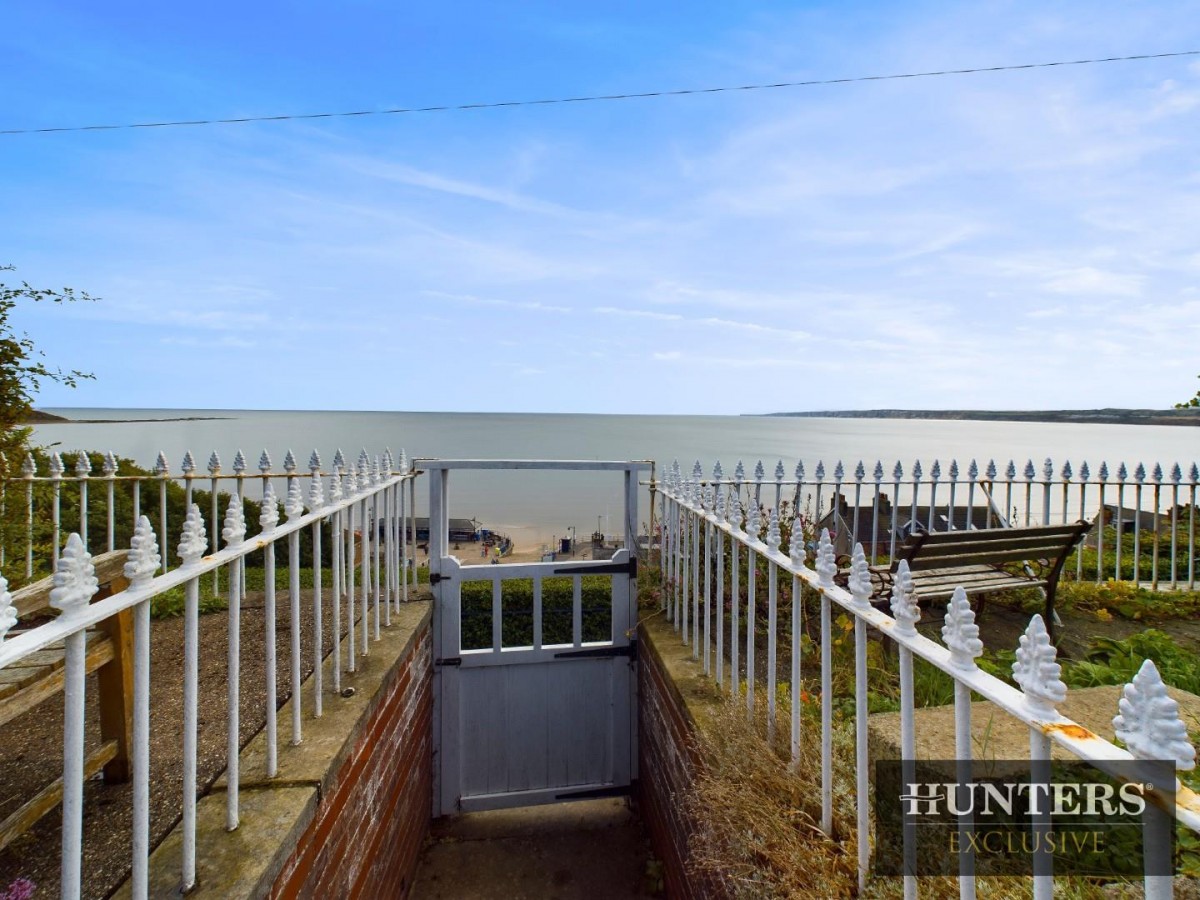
point(1089, 281)
point(432, 181)
point(533, 305)
point(1002, 240)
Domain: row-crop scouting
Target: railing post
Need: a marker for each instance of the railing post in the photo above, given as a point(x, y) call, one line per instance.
point(897, 475)
point(708, 544)
point(140, 566)
point(1158, 477)
point(1037, 672)
point(1139, 475)
point(336, 548)
point(56, 473)
point(1122, 475)
point(29, 469)
point(735, 594)
point(234, 533)
point(191, 549)
point(1194, 476)
point(83, 468)
point(719, 603)
point(1084, 475)
point(349, 556)
point(214, 471)
point(1102, 474)
point(935, 475)
point(906, 613)
point(267, 520)
point(1047, 478)
point(294, 509)
point(1149, 725)
point(773, 539)
point(860, 590)
point(74, 584)
point(161, 471)
point(188, 467)
point(826, 566)
point(753, 526)
point(1176, 477)
point(796, 555)
point(316, 500)
point(110, 476)
point(961, 636)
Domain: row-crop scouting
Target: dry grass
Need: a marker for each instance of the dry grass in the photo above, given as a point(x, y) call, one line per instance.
point(760, 834)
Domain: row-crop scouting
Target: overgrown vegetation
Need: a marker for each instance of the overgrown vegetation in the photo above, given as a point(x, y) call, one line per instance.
point(760, 837)
point(1126, 600)
point(1145, 541)
point(759, 816)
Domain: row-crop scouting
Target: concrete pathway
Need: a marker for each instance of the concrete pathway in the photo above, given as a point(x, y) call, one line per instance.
point(586, 850)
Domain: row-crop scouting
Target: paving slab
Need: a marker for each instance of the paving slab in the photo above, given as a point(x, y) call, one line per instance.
point(584, 850)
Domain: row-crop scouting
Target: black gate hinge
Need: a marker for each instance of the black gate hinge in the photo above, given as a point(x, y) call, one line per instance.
point(452, 661)
point(437, 577)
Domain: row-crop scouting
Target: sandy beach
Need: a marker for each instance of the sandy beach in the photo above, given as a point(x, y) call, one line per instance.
point(524, 551)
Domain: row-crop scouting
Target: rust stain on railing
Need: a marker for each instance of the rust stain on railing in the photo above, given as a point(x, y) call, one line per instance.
point(1071, 730)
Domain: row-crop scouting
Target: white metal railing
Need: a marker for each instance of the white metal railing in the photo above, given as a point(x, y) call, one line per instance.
point(1155, 507)
point(363, 508)
point(71, 479)
point(700, 515)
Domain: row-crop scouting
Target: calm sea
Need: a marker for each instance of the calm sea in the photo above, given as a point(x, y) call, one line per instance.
point(538, 507)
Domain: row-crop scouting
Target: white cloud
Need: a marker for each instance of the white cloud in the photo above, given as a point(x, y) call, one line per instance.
point(533, 305)
point(1010, 238)
point(1089, 281)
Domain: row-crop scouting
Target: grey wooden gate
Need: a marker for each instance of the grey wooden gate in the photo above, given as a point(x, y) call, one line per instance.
point(534, 678)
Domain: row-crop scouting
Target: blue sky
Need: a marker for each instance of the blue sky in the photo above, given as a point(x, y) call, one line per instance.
point(1013, 240)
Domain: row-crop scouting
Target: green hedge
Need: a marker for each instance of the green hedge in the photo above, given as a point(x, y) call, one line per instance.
point(516, 604)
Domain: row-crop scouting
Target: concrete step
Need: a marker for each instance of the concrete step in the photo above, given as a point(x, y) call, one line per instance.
point(585, 850)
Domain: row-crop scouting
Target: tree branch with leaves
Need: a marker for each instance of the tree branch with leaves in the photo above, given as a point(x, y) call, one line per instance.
point(1189, 404)
point(23, 368)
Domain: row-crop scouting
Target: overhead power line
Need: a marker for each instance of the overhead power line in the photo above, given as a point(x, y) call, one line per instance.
point(459, 107)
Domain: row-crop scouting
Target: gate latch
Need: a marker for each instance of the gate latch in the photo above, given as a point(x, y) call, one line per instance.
point(437, 577)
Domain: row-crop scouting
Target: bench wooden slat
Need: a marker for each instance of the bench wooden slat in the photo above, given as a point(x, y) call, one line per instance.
point(50, 796)
point(996, 576)
point(36, 597)
point(1032, 547)
point(939, 562)
point(21, 675)
point(99, 651)
point(921, 561)
point(1048, 531)
point(944, 589)
point(108, 654)
point(51, 658)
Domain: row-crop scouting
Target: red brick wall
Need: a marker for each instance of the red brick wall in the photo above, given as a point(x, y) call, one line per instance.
point(667, 762)
point(369, 828)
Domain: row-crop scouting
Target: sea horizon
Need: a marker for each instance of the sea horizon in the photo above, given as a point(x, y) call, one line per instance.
point(540, 507)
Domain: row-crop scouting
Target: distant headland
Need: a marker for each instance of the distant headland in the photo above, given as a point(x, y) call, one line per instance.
point(38, 417)
point(1106, 416)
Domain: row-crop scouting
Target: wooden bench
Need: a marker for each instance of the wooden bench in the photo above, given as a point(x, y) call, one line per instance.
point(981, 561)
point(41, 675)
